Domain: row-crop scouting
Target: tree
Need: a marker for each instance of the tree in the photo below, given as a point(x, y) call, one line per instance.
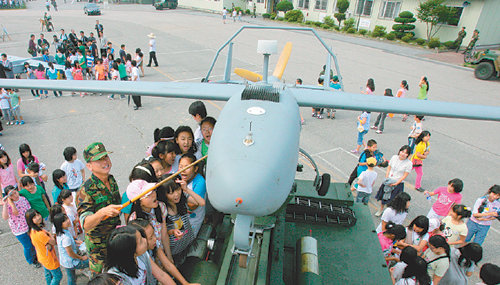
point(404, 26)
point(284, 6)
point(434, 14)
point(342, 6)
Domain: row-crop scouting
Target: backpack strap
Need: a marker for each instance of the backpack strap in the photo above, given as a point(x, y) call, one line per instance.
point(441, 257)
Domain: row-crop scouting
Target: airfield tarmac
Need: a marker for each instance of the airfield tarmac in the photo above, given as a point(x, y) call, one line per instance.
point(187, 41)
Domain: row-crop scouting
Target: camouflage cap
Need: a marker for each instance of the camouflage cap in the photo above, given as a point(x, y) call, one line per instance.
point(95, 151)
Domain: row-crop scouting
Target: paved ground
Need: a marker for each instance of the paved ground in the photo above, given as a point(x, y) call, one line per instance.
point(187, 41)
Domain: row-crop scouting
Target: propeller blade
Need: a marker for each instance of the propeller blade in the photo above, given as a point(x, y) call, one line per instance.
point(248, 75)
point(283, 60)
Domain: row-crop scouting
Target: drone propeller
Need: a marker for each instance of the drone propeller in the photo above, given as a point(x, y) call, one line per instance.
point(279, 69)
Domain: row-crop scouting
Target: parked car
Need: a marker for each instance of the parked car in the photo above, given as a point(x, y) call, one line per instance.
point(488, 65)
point(91, 9)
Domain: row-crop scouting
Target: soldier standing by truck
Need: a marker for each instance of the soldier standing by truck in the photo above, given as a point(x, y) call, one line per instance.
point(98, 205)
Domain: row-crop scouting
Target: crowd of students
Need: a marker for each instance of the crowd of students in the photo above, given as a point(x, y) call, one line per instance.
point(161, 226)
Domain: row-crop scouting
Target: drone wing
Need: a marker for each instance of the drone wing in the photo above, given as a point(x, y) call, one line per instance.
point(313, 97)
point(204, 91)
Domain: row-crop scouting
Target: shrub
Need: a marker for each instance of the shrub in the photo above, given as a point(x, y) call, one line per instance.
point(390, 36)
point(342, 6)
point(280, 18)
point(449, 44)
point(378, 31)
point(407, 38)
point(317, 24)
point(349, 23)
point(329, 21)
point(362, 32)
point(434, 43)
point(247, 11)
point(337, 28)
point(273, 16)
point(325, 26)
point(284, 6)
point(309, 23)
point(420, 41)
point(266, 15)
point(294, 16)
point(351, 30)
point(404, 26)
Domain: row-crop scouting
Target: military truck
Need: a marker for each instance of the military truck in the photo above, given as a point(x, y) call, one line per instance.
point(488, 65)
point(166, 4)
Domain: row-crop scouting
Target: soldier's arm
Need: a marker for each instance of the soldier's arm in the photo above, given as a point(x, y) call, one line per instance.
point(89, 218)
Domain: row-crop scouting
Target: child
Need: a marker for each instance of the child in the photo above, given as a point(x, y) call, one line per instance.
point(462, 264)
point(424, 88)
point(199, 112)
point(74, 169)
point(381, 116)
point(207, 127)
point(437, 257)
point(370, 87)
point(389, 237)
point(489, 274)
point(68, 73)
point(66, 245)
point(403, 88)
point(44, 244)
point(407, 256)
point(30, 74)
point(164, 151)
point(363, 127)
point(335, 84)
point(51, 74)
point(157, 256)
point(35, 195)
point(485, 210)
point(193, 183)
point(366, 180)
point(66, 201)
point(127, 256)
point(33, 170)
point(163, 134)
point(40, 75)
point(361, 166)
point(318, 112)
point(26, 158)
point(421, 153)
point(148, 207)
point(179, 227)
point(15, 101)
point(416, 130)
point(5, 105)
point(184, 139)
point(7, 175)
point(396, 211)
point(114, 75)
point(455, 229)
point(100, 73)
point(417, 234)
point(447, 197)
point(90, 65)
point(59, 178)
point(415, 273)
point(14, 209)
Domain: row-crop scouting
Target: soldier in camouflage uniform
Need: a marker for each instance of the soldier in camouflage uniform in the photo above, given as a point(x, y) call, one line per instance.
point(98, 198)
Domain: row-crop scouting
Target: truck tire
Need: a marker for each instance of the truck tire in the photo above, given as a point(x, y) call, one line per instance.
point(484, 70)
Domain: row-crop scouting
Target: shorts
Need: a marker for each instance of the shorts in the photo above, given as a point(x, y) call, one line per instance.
point(363, 197)
point(16, 112)
point(360, 136)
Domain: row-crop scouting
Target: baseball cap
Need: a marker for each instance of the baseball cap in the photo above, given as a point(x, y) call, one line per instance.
point(371, 161)
point(95, 151)
point(434, 224)
point(137, 187)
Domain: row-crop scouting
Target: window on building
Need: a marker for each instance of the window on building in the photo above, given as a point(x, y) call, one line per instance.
point(364, 7)
point(260, 1)
point(321, 4)
point(457, 14)
point(303, 4)
point(390, 9)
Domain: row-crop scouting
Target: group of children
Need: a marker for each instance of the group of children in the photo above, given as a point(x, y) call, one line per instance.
point(11, 110)
point(169, 218)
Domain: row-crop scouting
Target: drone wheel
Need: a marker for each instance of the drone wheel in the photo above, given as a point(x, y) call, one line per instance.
point(325, 184)
point(243, 260)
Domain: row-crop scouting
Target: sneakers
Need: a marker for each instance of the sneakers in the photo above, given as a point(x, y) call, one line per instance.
point(420, 189)
point(313, 115)
point(17, 122)
point(36, 264)
point(320, 117)
point(378, 131)
point(373, 127)
point(378, 213)
point(22, 122)
point(355, 151)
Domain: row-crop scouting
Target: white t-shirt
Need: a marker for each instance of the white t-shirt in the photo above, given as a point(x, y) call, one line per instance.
point(416, 238)
point(399, 167)
point(398, 270)
point(197, 134)
point(390, 215)
point(367, 178)
point(416, 129)
point(4, 100)
point(73, 172)
point(135, 74)
point(72, 215)
point(452, 231)
point(152, 45)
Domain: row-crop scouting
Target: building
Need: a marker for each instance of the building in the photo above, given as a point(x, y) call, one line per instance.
point(472, 14)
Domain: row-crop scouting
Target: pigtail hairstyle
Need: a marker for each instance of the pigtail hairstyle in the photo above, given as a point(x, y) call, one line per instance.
point(462, 211)
point(471, 252)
